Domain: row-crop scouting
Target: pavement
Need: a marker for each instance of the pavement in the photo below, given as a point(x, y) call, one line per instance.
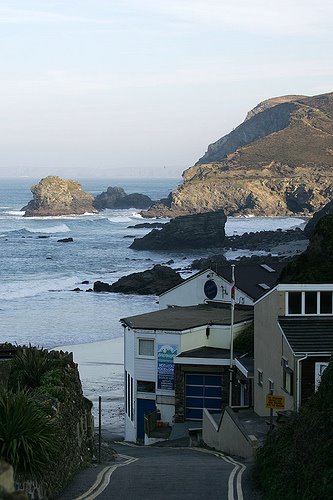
point(171, 471)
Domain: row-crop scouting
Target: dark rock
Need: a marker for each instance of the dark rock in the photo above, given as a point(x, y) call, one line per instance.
point(100, 286)
point(134, 200)
point(115, 197)
point(42, 237)
point(151, 282)
point(129, 236)
point(147, 225)
point(108, 198)
point(326, 210)
point(89, 290)
point(54, 196)
point(77, 289)
point(315, 265)
point(169, 262)
point(65, 240)
point(264, 240)
point(85, 282)
point(193, 231)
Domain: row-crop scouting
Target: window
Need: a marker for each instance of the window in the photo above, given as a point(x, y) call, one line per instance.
point(270, 385)
point(146, 347)
point(325, 302)
point(287, 377)
point(260, 379)
point(295, 303)
point(129, 403)
point(310, 302)
point(145, 386)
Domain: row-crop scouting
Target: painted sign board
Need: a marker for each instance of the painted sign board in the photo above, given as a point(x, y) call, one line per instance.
point(165, 366)
point(275, 402)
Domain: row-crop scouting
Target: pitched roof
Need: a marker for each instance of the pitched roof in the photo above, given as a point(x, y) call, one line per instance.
point(184, 318)
point(310, 334)
point(253, 279)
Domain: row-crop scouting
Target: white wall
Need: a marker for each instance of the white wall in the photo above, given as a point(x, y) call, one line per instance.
point(130, 430)
point(191, 292)
point(219, 336)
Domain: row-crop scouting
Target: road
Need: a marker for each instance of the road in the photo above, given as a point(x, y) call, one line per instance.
point(151, 473)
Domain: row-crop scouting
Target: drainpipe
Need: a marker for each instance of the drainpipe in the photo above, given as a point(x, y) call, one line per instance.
point(298, 388)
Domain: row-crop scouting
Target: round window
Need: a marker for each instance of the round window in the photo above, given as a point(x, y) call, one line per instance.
point(210, 289)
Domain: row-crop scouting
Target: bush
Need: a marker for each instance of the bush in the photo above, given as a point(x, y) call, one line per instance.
point(296, 461)
point(28, 367)
point(28, 437)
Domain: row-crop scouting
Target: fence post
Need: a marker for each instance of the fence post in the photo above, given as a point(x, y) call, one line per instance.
point(99, 427)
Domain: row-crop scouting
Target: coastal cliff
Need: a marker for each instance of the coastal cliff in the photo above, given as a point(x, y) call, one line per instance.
point(279, 161)
point(54, 196)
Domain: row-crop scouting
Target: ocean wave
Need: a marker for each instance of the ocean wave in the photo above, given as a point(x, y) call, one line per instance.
point(60, 228)
point(16, 213)
point(30, 288)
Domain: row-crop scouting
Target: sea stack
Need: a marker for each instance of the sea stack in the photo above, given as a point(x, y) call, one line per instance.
point(54, 196)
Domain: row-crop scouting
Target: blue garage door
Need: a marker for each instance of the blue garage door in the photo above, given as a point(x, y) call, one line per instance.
point(143, 406)
point(202, 391)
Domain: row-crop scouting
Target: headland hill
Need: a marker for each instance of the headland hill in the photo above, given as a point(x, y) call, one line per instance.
point(278, 162)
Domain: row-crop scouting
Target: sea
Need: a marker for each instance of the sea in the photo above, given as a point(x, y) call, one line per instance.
point(38, 273)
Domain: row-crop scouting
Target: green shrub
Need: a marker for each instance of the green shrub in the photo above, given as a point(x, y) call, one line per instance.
point(28, 367)
point(296, 461)
point(28, 437)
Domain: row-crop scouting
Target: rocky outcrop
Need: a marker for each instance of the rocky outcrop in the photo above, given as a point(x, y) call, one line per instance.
point(151, 282)
point(279, 161)
point(193, 231)
point(54, 196)
point(326, 210)
point(315, 265)
point(115, 197)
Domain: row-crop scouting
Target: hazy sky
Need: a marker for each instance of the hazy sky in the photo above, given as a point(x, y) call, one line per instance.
point(141, 87)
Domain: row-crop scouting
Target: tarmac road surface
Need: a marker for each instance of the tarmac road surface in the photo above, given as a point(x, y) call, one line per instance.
point(153, 473)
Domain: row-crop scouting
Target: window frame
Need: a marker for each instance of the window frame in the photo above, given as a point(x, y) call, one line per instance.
point(146, 356)
point(260, 377)
point(287, 377)
point(303, 303)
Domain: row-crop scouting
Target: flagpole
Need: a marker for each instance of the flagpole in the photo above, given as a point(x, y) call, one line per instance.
point(231, 367)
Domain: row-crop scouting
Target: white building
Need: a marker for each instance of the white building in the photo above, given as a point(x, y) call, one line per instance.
point(177, 361)
point(252, 282)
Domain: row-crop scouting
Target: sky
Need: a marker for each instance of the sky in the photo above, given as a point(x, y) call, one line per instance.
point(139, 88)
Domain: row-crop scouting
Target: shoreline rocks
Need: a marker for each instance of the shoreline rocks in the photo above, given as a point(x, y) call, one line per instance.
point(150, 282)
point(115, 197)
point(193, 231)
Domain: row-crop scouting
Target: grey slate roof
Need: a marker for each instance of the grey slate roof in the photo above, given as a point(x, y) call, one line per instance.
point(184, 318)
point(310, 334)
point(248, 278)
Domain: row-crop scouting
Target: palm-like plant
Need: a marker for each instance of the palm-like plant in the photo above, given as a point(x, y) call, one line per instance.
point(28, 437)
point(28, 368)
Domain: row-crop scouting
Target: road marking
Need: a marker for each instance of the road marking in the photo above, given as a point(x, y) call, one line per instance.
point(241, 468)
point(235, 474)
point(103, 479)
